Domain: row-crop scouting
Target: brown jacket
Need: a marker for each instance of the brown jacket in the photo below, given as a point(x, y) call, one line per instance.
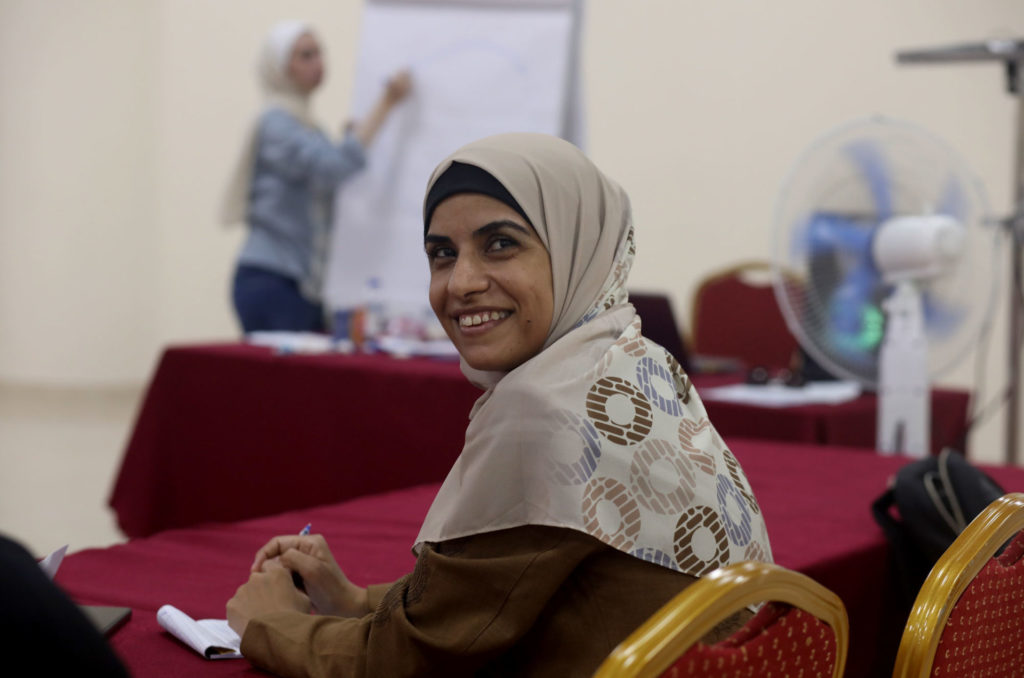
point(528, 601)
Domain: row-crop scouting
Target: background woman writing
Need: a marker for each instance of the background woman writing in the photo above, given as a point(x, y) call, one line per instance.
point(284, 185)
point(591, 487)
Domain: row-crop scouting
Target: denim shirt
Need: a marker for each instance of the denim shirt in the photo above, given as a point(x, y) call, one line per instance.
point(297, 169)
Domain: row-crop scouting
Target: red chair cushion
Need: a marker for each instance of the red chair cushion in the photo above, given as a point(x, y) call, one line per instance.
point(735, 319)
point(985, 632)
point(779, 640)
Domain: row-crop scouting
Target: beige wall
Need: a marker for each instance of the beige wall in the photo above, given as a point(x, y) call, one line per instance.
point(120, 121)
point(77, 191)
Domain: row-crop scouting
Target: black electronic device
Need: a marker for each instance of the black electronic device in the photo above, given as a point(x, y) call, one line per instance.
point(106, 618)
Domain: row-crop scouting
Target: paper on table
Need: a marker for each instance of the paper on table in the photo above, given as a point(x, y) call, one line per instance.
point(778, 395)
point(51, 563)
point(436, 348)
point(292, 342)
point(212, 638)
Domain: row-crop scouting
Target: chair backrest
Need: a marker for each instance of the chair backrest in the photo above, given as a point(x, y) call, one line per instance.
point(659, 324)
point(968, 618)
point(803, 626)
point(736, 315)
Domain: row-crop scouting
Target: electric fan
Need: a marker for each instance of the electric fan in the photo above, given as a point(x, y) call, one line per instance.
point(885, 265)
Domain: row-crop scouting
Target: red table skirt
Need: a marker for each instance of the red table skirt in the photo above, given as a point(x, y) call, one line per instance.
point(235, 431)
point(850, 424)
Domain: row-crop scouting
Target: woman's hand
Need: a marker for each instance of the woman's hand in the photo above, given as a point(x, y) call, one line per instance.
point(329, 590)
point(268, 591)
point(398, 87)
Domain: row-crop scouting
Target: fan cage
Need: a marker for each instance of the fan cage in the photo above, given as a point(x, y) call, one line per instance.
point(824, 184)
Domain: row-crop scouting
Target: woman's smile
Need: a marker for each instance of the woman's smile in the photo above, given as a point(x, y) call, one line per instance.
point(480, 320)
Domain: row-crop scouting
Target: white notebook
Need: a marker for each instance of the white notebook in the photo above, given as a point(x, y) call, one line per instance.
point(212, 638)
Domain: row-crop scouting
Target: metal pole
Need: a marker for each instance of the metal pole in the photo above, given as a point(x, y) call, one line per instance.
point(1011, 54)
point(1016, 224)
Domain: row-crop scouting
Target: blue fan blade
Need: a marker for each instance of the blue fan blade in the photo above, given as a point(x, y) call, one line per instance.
point(941, 320)
point(871, 163)
point(952, 200)
point(851, 313)
point(825, 232)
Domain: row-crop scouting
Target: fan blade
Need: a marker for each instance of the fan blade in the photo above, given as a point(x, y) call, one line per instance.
point(871, 163)
point(952, 201)
point(941, 320)
point(855, 320)
point(826, 232)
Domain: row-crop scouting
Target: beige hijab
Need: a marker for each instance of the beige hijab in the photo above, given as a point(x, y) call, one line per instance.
point(601, 431)
point(278, 92)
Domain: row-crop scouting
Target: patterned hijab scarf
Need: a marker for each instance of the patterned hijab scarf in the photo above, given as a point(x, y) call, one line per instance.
point(601, 431)
point(278, 92)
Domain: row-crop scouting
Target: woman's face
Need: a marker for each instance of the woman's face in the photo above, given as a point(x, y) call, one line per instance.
point(490, 281)
point(306, 66)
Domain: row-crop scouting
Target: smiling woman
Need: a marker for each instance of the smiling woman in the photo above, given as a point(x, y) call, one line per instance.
point(591, 487)
point(490, 278)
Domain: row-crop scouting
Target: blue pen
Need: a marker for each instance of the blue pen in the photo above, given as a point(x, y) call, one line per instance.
point(296, 577)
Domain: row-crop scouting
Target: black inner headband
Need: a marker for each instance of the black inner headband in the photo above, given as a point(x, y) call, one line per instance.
point(463, 178)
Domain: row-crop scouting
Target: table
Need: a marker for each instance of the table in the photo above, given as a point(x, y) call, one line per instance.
point(816, 502)
point(233, 431)
point(850, 424)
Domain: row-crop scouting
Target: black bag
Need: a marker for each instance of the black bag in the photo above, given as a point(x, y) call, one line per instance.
point(935, 499)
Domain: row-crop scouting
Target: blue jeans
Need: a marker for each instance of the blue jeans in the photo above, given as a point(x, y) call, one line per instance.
point(265, 300)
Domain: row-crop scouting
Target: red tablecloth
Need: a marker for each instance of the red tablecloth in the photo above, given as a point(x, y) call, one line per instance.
point(231, 431)
point(850, 424)
point(235, 431)
point(815, 501)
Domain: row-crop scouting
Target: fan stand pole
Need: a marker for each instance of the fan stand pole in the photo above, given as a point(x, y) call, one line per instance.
point(904, 402)
point(1011, 54)
point(1015, 223)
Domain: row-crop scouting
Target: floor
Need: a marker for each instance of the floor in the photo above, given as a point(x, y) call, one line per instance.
point(59, 452)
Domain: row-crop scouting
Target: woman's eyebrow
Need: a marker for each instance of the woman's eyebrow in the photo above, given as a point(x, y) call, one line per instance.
point(482, 231)
point(430, 238)
point(500, 223)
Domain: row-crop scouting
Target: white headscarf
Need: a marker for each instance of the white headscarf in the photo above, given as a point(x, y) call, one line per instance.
point(601, 431)
point(279, 91)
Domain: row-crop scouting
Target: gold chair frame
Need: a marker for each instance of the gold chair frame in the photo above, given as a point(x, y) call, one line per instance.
point(949, 578)
point(695, 611)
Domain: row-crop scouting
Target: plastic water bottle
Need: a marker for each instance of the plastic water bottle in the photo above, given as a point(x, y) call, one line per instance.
point(374, 316)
